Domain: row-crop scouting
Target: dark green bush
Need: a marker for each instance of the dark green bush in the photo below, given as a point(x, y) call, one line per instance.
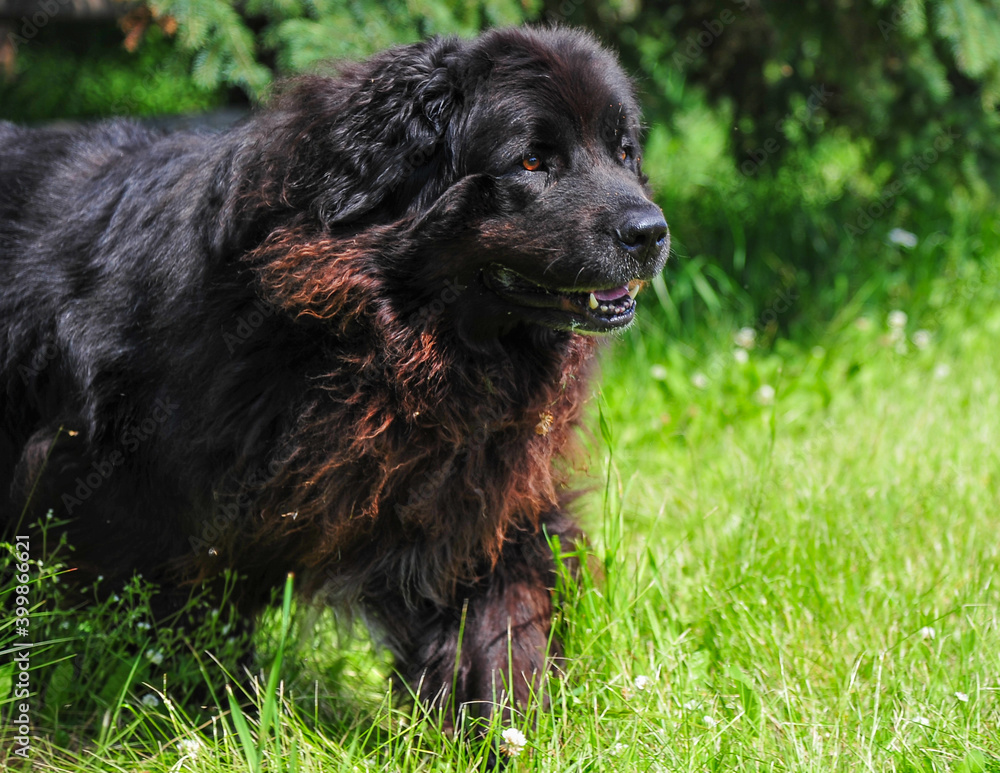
point(82, 71)
point(827, 146)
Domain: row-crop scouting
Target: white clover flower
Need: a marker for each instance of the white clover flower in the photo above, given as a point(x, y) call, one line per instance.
point(642, 682)
point(897, 319)
point(709, 720)
point(921, 720)
point(142, 625)
point(618, 748)
point(745, 337)
point(962, 696)
point(514, 742)
point(658, 372)
point(150, 701)
point(699, 381)
point(921, 339)
point(927, 632)
point(691, 705)
point(154, 656)
point(902, 237)
point(765, 395)
point(190, 747)
point(741, 356)
point(942, 371)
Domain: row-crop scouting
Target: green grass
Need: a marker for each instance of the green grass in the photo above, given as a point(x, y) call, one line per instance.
point(809, 582)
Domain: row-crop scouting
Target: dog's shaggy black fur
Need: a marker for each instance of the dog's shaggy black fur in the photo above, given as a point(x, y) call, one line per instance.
point(346, 338)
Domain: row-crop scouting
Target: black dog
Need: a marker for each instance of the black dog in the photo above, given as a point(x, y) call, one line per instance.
point(347, 338)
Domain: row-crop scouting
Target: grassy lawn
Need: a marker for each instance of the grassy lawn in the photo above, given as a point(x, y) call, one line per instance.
point(796, 557)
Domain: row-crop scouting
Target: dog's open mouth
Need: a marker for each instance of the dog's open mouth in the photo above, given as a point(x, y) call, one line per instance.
point(595, 311)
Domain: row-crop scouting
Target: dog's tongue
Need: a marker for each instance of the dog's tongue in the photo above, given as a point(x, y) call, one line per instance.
point(615, 294)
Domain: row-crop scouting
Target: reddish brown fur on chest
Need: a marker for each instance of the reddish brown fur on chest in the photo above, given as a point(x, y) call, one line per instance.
point(406, 441)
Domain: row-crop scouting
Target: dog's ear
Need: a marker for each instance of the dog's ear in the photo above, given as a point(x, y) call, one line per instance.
point(364, 145)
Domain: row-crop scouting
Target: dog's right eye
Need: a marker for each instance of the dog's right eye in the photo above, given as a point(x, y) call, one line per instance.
point(531, 163)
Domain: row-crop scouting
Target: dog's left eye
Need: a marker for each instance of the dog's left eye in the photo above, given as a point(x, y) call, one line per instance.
point(531, 163)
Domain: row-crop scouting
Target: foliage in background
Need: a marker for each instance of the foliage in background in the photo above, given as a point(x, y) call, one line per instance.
point(818, 146)
point(231, 41)
point(800, 151)
point(80, 72)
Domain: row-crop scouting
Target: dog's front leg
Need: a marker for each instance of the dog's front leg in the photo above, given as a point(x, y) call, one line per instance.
point(491, 648)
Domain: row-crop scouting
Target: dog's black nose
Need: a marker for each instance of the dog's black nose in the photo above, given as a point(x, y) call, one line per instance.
point(643, 232)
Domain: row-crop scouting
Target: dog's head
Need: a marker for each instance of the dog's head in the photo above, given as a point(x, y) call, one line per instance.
point(553, 129)
point(514, 161)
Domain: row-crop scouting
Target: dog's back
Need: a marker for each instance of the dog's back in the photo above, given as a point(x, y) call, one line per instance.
point(120, 295)
point(44, 209)
point(95, 241)
point(27, 157)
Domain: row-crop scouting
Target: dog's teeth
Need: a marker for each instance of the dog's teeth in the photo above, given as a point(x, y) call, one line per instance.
point(593, 301)
point(605, 309)
point(633, 287)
